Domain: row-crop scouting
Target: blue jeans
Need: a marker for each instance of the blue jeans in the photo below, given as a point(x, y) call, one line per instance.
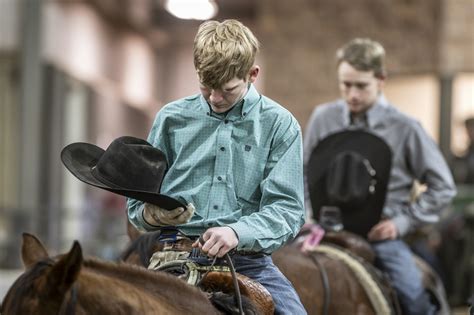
point(395, 258)
point(261, 269)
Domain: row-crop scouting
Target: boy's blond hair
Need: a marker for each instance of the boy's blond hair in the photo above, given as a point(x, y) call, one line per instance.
point(223, 51)
point(365, 55)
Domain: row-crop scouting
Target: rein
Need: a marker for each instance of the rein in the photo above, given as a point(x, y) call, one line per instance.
point(324, 278)
point(238, 296)
point(71, 305)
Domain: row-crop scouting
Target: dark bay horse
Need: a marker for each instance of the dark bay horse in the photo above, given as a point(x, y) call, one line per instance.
point(343, 293)
point(70, 284)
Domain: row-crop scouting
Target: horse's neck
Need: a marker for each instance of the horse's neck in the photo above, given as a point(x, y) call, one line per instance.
point(100, 294)
point(136, 288)
point(135, 276)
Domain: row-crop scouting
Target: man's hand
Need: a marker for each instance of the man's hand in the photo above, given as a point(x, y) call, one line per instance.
point(218, 241)
point(157, 216)
point(384, 230)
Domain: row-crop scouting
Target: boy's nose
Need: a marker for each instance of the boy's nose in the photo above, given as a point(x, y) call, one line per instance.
point(215, 96)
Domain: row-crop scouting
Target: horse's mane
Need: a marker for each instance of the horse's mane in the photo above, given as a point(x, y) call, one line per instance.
point(143, 246)
point(21, 286)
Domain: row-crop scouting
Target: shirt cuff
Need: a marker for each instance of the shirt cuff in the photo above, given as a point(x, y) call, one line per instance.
point(402, 222)
point(143, 223)
point(244, 234)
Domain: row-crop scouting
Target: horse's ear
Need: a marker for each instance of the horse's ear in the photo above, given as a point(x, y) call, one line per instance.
point(133, 232)
point(66, 270)
point(32, 250)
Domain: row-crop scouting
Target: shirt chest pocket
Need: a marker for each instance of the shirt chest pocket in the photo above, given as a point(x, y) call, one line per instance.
point(248, 169)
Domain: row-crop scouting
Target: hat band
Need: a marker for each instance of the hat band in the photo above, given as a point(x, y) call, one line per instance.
point(372, 172)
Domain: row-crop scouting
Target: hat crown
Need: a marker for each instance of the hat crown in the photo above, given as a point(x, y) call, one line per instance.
point(350, 170)
point(131, 163)
point(349, 179)
point(130, 167)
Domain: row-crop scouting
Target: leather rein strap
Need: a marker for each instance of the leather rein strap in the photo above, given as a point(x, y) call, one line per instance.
point(238, 296)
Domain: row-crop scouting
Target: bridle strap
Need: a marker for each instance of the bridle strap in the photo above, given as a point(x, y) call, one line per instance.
point(71, 303)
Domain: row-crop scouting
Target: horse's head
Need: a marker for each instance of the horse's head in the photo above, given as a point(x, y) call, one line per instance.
point(45, 285)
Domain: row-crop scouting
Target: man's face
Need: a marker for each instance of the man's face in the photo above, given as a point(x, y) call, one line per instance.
point(360, 89)
point(225, 97)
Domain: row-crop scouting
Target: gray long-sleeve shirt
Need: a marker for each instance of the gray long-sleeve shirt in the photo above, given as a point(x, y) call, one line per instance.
point(415, 156)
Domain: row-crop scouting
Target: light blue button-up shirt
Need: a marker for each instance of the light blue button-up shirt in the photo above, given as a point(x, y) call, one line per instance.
point(414, 156)
point(243, 169)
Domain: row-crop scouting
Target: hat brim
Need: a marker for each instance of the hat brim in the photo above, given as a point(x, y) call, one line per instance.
point(357, 219)
point(80, 158)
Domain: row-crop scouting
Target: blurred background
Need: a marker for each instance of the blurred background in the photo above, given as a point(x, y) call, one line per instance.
point(94, 70)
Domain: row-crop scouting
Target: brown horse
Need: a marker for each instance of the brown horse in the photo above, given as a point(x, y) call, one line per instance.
point(342, 293)
point(70, 284)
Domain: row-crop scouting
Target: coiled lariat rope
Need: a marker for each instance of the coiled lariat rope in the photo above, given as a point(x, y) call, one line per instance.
point(376, 297)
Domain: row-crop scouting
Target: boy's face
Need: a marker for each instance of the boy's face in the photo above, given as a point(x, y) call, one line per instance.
point(359, 89)
point(230, 93)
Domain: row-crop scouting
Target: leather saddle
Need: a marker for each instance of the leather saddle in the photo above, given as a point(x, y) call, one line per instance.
point(211, 275)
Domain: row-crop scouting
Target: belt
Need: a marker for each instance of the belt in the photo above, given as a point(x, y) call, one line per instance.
point(174, 240)
point(184, 244)
point(248, 254)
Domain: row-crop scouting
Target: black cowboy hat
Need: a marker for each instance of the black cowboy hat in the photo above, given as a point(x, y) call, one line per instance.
point(130, 167)
point(349, 171)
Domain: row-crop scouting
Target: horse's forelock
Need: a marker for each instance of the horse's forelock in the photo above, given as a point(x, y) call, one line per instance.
point(25, 287)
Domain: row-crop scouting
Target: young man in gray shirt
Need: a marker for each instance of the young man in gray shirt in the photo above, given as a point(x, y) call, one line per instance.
point(415, 156)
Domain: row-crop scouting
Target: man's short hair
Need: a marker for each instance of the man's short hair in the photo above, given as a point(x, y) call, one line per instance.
point(223, 51)
point(469, 122)
point(365, 55)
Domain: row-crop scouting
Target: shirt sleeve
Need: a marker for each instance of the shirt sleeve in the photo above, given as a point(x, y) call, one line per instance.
point(430, 168)
point(281, 212)
point(310, 142)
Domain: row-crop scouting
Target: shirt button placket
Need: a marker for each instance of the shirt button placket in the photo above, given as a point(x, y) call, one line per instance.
point(218, 189)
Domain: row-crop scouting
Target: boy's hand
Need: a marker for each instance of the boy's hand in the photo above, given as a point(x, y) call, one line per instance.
point(218, 241)
point(157, 216)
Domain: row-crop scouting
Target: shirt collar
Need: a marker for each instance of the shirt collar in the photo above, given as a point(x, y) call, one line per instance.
point(251, 98)
point(241, 109)
point(374, 115)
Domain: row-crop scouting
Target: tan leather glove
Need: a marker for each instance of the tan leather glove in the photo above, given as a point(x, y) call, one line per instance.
point(157, 216)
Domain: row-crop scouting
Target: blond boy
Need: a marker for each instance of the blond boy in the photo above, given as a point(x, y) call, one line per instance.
point(236, 157)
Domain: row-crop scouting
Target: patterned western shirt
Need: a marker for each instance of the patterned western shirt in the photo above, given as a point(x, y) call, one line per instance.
point(242, 169)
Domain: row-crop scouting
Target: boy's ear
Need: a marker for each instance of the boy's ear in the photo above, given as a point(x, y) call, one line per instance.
point(253, 73)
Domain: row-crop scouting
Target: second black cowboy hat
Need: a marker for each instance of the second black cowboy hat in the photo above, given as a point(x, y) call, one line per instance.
point(130, 167)
point(349, 170)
